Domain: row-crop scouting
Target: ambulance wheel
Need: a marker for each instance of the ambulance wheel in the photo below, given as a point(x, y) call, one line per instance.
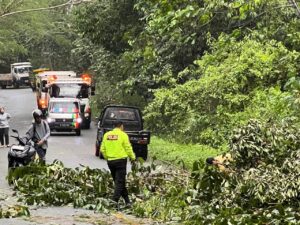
point(78, 132)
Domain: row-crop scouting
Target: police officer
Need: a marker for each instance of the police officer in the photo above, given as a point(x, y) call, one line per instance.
point(116, 148)
point(220, 162)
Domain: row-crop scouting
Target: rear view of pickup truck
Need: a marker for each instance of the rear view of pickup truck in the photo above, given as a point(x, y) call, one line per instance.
point(133, 126)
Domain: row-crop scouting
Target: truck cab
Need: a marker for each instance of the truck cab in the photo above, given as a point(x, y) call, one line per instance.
point(33, 77)
point(43, 79)
point(74, 87)
point(133, 126)
point(20, 73)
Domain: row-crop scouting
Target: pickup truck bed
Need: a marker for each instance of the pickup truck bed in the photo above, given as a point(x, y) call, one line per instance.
point(6, 80)
point(133, 126)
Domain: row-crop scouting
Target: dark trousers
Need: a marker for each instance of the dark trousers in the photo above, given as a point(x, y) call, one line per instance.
point(4, 135)
point(118, 172)
point(41, 153)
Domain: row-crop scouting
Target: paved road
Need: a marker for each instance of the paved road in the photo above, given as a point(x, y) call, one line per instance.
point(70, 149)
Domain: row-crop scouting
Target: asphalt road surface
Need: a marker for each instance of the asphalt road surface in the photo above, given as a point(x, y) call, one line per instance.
point(72, 150)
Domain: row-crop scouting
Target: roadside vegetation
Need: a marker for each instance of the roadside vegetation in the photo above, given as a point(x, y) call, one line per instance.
point(182, 155)
point(211, 76)
point(261, 186)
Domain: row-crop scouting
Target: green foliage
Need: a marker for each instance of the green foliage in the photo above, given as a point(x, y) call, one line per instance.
point(83, 188)
point(266, 144)
point(261, 185)
point(232, 79)
point(44, 37)
point(181, 154)
point(105, 29)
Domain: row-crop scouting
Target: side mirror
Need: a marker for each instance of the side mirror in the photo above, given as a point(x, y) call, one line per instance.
point(15, 131)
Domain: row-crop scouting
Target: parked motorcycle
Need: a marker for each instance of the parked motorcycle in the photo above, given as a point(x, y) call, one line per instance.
point(21, 154)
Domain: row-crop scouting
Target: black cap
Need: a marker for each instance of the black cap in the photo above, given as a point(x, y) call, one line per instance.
point(119, 123)
point(210, 160)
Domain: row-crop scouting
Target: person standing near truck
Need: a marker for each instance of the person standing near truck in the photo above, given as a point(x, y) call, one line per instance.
point(4, 127)
point(116, 148)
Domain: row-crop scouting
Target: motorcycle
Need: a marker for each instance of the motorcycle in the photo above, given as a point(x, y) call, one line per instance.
point(21, 154)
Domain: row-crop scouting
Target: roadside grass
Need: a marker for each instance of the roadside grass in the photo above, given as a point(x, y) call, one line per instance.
point(181, 154)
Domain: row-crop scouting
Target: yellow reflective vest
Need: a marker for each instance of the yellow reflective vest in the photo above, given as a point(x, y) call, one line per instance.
point(223, 159)
point(115, 145)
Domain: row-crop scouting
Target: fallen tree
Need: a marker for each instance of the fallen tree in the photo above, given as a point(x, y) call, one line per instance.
point(261, 185)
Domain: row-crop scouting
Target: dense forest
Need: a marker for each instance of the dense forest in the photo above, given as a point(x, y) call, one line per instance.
point(220, 73)
point(198, 68)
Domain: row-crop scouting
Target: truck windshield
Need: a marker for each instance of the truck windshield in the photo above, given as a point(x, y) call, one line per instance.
point(69, 90)
point(63, 107)
point(24, 70)
point(121, 114)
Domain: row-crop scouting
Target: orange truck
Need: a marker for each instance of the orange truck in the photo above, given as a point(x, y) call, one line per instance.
point(74, 87)
point(66, 85)
point(33, 77)
point(43, 78)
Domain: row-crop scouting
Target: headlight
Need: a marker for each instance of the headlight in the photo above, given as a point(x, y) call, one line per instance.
point(86, 114)
point(50, 120)
point(78, 120)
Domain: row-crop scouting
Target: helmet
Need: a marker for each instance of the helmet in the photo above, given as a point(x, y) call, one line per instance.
point(37, 113)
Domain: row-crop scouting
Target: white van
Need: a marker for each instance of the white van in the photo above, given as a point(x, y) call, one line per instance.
point(64, 115)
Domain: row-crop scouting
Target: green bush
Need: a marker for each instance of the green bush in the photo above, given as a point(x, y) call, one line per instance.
point(233, 79)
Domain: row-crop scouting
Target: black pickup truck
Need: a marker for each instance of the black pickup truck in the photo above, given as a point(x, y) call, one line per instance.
point(133, 126)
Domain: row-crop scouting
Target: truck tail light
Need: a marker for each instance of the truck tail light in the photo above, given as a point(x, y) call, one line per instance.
point(143, 141)
point(52, 78)
point(86, 78)
point(88, 110)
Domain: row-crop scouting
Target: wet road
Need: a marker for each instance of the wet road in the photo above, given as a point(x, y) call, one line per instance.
point(70, 149)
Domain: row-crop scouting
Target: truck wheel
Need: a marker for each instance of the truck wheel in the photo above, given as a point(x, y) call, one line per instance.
point(144, 152)
point(97, 151)
point(141, 151)
point(87, 124)
point(3, 86)
point(78, 132)
point(16, 85)
point(101, 155)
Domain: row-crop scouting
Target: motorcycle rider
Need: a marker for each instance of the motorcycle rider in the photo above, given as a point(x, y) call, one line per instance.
point(39, 132)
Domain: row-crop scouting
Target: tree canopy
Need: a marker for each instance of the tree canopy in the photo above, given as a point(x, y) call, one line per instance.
point(197, 67)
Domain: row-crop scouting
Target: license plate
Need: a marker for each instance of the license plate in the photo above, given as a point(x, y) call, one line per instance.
point(26, 81)
point(64, 125)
